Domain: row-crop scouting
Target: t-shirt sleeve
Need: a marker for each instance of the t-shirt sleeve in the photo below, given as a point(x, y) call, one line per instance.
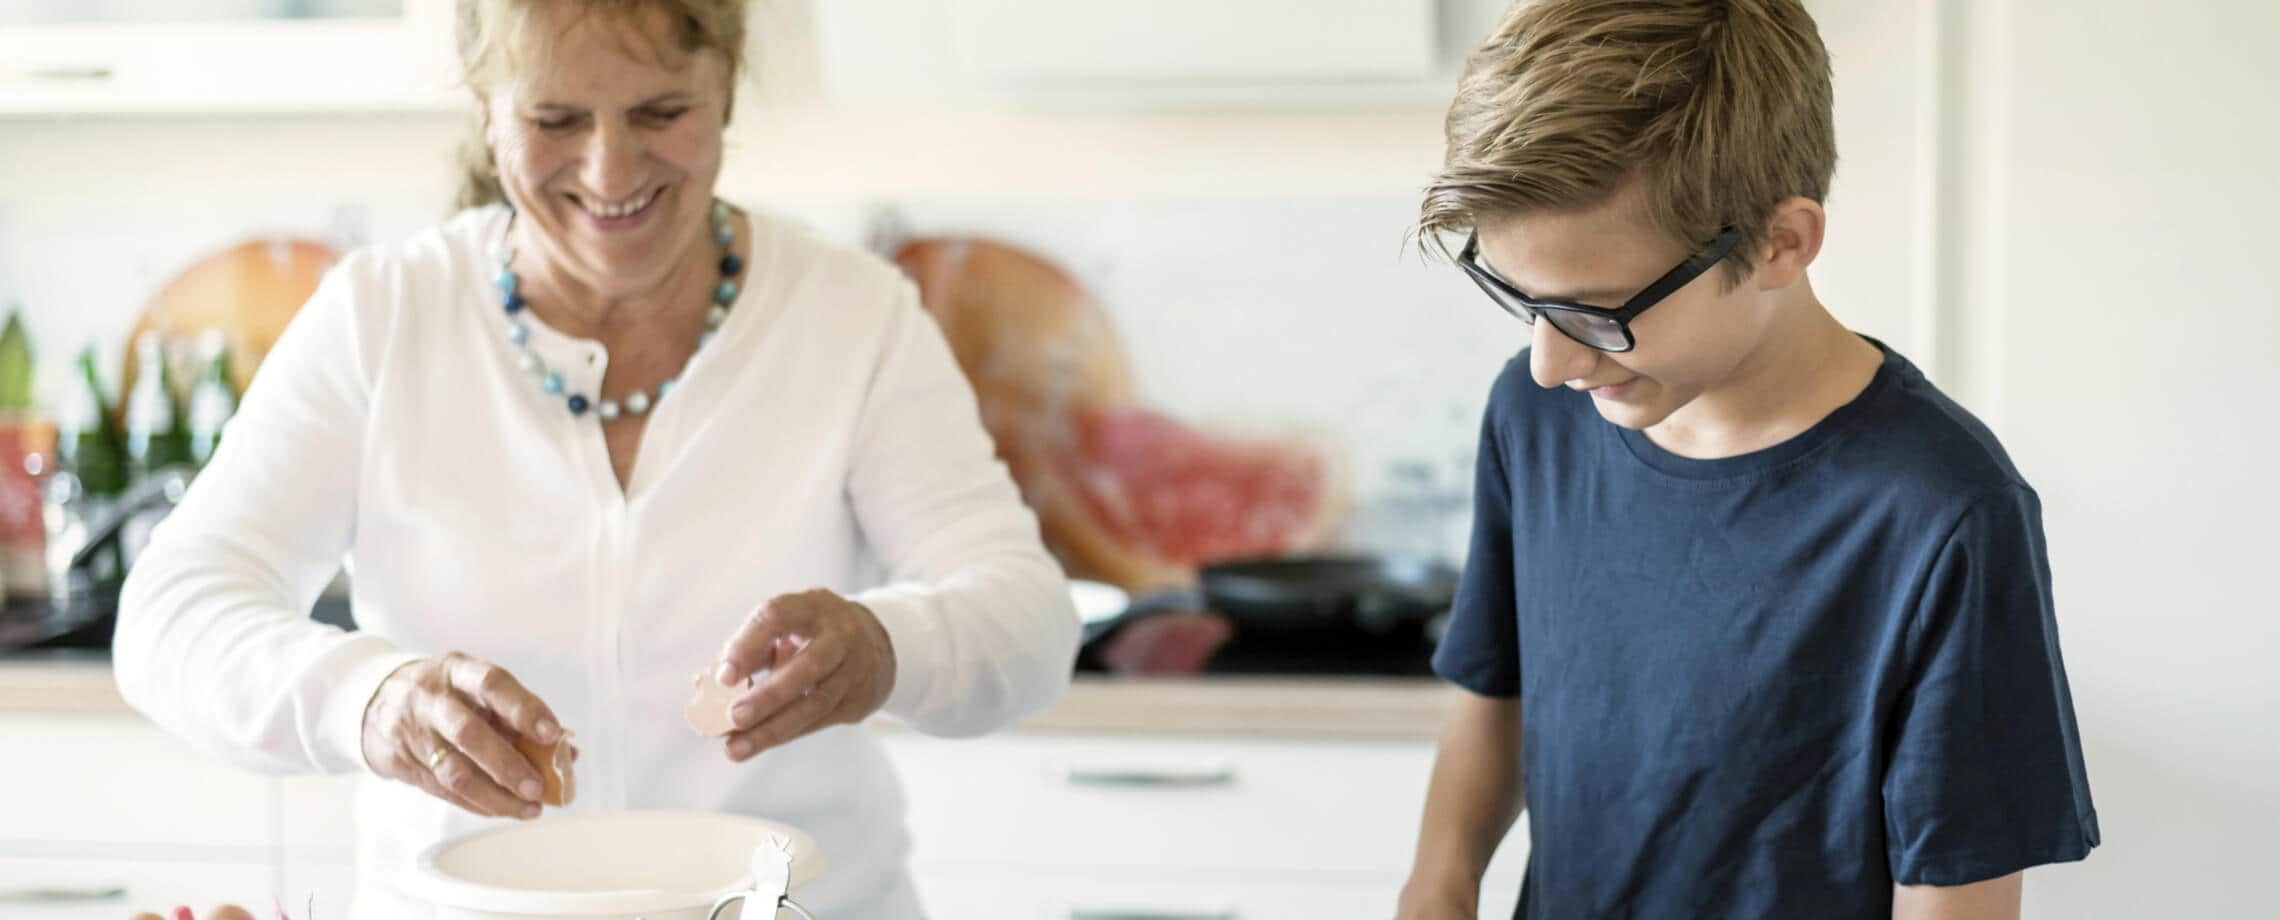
point(1985, 774)
point(1480, 651)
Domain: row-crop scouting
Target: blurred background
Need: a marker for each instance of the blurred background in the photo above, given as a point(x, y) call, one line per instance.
point(2064, 211)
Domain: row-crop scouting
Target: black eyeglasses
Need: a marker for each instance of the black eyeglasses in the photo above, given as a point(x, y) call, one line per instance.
point(1596, 327)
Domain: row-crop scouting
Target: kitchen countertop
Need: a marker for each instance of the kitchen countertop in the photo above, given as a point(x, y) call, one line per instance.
point(1394, 708)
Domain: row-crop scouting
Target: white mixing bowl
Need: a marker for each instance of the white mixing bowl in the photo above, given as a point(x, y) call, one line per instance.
point(635, 865)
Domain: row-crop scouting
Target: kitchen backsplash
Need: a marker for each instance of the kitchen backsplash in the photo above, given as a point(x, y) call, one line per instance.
point(1302, 315)
point(1255, 264)
point(1306, 316)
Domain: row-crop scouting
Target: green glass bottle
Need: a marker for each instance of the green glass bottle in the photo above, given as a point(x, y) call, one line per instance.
point(212, 399)
point(16, 400)
point(84, 436)
point(155, 435)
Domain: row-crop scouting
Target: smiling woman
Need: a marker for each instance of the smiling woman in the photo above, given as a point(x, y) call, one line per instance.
point(667, 422)
point(602, 122)
point(499, 38)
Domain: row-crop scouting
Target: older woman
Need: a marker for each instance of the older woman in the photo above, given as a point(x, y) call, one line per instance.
point(577, 443)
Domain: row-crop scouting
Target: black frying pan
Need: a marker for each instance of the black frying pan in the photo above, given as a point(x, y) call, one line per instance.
point(1371, 595)
point(30, 621)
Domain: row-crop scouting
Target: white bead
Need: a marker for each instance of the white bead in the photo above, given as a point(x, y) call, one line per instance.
point(608, 409)
point(715, 316)
point(705, 339)
point(638, 403)
point(529, 363)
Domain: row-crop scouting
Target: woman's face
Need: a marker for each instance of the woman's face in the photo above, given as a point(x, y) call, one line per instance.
point(608, 143)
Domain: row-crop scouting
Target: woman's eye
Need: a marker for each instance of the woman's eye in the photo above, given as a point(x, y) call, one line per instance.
point(665, 116)
point(560, 123)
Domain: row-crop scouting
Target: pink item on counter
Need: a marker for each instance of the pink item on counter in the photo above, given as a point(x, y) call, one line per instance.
point(1177, 643)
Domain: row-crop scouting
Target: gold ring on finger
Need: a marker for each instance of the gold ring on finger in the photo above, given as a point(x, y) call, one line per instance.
point(435, 758)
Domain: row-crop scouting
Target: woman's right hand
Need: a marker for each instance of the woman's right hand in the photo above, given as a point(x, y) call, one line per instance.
point(447, 726)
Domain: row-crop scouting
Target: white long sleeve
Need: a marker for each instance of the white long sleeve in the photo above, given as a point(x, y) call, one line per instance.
point(983, 627)
point(214, 642)
point(824, 438)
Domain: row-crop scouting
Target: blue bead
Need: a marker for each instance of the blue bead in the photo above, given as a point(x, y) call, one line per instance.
point(506, 281)
point(513, 303)
point(577, 405)
point(730, 265)
point(725, 294)
point(552, 384)
point(662, 387)
point(518, 333)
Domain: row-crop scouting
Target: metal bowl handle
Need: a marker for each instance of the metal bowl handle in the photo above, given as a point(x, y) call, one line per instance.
point(783, 903)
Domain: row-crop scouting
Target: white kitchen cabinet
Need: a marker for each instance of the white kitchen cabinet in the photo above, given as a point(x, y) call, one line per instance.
point(315, 888)
point(1070, 827)
point(149, 65)
point(1166, 896)
point(95, 803)
point(318, 815)
point(316, 842)
point(1087, 803)
point(112, 889)
point(1030, 43)
point(1192, 895)
point(120, 787)
point(1058, 826)
point(1169, 52)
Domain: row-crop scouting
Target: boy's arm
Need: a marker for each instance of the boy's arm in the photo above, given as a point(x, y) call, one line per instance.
point(1993, 899)
point(1474, 798)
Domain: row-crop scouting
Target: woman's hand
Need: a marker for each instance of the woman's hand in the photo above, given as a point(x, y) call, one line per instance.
point(447, 726)
point(829, 662)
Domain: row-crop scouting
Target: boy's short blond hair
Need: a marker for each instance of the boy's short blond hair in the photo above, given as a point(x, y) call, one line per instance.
point(1720, 109)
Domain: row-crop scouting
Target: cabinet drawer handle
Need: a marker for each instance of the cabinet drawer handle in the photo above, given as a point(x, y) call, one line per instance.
point(1113, 913)
point(60, 895)
point(1152, 777)
point(91, 74)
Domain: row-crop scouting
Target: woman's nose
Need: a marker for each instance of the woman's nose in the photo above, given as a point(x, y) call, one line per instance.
point(613, 167)
point(1554, 359)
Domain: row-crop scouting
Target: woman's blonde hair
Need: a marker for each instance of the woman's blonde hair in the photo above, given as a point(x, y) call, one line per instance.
point(496, 36)
point(1719, 109)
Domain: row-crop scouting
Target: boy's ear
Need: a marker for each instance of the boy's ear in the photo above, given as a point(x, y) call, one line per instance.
point(1793, 237)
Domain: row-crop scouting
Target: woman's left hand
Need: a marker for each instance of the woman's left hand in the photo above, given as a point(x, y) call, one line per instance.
point(828, 662)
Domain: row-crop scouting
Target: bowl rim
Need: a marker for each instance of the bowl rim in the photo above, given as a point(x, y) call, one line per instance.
point(423, 879)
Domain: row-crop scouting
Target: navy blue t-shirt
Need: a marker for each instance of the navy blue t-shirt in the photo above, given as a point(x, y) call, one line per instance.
point(1769, 685)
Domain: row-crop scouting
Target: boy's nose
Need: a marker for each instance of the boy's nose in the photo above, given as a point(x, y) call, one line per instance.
point(1554, 359)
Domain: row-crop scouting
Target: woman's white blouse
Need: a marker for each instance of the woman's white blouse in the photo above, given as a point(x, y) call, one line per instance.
point(824, 439)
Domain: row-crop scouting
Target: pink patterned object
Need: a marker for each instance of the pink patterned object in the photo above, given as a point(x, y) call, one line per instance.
point(225, 913)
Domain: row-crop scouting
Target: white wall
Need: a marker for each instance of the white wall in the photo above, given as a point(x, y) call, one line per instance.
point(2119, 320)
point(96, 214)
